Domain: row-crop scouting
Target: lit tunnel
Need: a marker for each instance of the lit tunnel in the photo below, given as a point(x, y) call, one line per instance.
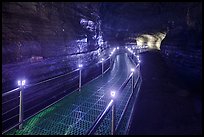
point(102, 68)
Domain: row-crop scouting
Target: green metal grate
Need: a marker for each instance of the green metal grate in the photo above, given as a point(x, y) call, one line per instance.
point(76, 113)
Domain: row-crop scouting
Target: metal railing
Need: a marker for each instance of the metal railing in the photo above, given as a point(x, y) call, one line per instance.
point(21, 89)
point(112, 105)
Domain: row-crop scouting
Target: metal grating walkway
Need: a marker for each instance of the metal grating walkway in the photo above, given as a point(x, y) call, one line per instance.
point(75, 114)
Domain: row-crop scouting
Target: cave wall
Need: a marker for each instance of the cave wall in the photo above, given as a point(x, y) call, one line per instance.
point(182, 48)
point(41, 40)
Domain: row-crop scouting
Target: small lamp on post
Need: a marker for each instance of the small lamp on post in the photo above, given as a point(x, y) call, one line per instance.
point(21, 84)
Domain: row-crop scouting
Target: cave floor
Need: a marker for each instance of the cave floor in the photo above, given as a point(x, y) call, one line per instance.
point(75, 114)
point(164, 106)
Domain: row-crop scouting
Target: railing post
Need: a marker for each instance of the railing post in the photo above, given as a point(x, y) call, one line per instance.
point(133, 82)
point(113, 119)
point(79, 79)
point(110, 61)
point(21, 108)
point(102, 66)
point(80, 69)
point(21, 84)
point(132, 70)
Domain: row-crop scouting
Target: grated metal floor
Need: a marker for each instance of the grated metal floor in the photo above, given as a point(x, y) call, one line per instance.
point(75, 114)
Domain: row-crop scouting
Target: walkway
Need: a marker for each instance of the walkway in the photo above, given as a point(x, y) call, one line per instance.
point(75, 114)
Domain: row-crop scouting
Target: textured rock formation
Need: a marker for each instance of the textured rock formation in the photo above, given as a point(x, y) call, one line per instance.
point(42, 40)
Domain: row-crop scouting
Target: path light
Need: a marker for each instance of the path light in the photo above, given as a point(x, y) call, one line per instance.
point(132, 69)
point(21, 83)
point(80, 65)
point(117, 47)
point(112, 94)
point(102, 59)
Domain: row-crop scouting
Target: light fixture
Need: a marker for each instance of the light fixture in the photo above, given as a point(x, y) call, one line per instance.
point(112, 94)
point(21, 83)
point(102, 59)
point(117, 47)
point(132, 69)
point(80, 65)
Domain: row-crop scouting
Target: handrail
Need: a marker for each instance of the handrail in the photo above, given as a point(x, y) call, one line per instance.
point(104, 113)
point(125, 82)
point(125, 109)
point(100, 118)
point(10, 91)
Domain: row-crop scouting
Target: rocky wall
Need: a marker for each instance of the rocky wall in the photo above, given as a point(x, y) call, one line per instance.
point(42, 40)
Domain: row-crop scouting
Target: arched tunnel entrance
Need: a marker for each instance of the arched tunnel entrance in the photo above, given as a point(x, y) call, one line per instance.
point(102, 68)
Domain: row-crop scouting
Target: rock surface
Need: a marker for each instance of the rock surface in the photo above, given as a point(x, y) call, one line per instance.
point(42, 40)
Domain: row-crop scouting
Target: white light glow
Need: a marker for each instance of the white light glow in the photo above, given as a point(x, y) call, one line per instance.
point(23, 82)
point(117, 47)
point(112, 93)
point(80, 65)
point(19, 83)
point(132, 69)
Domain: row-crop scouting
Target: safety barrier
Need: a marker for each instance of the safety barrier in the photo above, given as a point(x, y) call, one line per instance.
point(14, 101)
point(112, 105)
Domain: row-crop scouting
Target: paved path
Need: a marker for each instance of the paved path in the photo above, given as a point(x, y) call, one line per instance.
point(75, 114)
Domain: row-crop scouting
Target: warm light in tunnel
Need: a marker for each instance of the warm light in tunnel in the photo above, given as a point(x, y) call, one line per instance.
point(153, 40)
